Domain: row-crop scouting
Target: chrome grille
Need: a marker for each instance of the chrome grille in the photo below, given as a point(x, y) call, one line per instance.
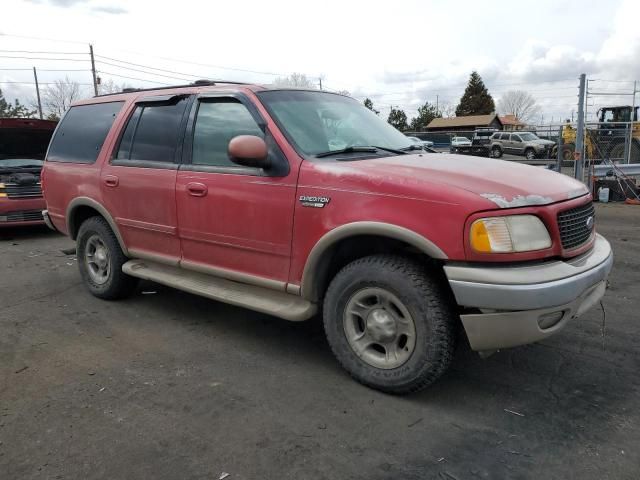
point(574, 225)
point(22, 216)
point(16, 190)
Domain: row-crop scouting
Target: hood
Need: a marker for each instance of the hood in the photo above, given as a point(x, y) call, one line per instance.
point(502, 183)
point(542, 141)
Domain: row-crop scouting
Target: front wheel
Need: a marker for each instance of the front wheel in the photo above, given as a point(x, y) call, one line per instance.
point(496, 152)
point(390, 324)
point(530, 154)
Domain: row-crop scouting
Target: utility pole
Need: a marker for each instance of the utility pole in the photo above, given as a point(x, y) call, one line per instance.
point(437, 105)
point(93, 71)
point(579, 152)
point(632, 118)
point(35, 77)
point(320, 81)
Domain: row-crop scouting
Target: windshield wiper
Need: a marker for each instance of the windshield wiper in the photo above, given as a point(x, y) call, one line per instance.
point(412, 147)
point(359, 149)
point(351, 149)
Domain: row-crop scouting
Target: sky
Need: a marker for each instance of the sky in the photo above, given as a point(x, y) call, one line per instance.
point(400, 53)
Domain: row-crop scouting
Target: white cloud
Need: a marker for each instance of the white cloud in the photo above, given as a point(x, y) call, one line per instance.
point(405, 52)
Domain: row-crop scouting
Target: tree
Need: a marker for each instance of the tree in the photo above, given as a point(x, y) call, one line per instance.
point(447, 109)
point(57, 98)
point(476, 99)
point(15, 109)
point(520, 104)
point(398, 119)
point(369, 104)
point(299, 80)
point(111, 87)
point(426, 113)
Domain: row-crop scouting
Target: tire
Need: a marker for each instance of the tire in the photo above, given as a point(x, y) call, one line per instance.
point(405, 299)
point(496, 152)
point(530, 154)
point(100, 261)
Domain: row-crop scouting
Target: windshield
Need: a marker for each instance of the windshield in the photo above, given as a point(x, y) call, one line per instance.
point(317, 122)
point(527, 137)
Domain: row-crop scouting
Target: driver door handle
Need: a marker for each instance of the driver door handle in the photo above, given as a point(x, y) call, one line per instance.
point(196, 189)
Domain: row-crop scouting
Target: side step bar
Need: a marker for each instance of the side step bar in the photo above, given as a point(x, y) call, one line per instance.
point(260, 299)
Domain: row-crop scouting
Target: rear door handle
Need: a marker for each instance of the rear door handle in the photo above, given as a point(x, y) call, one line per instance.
point(196, 189)
point(111, 181)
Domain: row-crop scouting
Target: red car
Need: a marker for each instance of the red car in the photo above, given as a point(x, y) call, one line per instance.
point(23, 144)
point(294, 202)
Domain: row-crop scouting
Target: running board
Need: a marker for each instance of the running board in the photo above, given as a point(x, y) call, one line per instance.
point(260, 299)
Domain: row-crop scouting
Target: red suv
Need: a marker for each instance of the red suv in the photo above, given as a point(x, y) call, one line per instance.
point(293, 202)
point(23, 144)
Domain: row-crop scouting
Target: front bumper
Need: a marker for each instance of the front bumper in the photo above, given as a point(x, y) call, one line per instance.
point(516, 300)
point(47, 220)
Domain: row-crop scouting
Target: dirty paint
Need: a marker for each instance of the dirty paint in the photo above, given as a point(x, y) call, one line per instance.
point(517, 201)
point(578, 192)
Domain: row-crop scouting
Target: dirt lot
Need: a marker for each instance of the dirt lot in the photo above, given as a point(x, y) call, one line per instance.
point(167, 385)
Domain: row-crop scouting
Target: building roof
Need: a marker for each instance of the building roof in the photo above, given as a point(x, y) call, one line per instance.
point(468, 121)
point(511, 119)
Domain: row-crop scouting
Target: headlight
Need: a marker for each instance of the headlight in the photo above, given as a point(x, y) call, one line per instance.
point(514, 233)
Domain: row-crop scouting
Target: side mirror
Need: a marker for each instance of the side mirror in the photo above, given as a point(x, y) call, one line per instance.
point(249, 151)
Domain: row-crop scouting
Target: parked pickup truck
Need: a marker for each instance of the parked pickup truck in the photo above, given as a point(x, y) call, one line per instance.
point(294, 202)
point(478, 146)
point(23, 144)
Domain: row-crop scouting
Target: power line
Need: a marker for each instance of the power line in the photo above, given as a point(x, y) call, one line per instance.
point(33, 83)
point(46, 58)
point(134, 78)
point(208, 65)
point(142, 71)
point(145, 66)
point(48, 53)
point(46, 69)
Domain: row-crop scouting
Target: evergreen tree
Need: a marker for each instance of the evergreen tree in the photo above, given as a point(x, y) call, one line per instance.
point(369, 104)
point(14, 110)
point(476, 99)
point(426, 113)
point(398, 119)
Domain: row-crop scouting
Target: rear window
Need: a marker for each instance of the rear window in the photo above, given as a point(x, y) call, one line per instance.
point(82, 132)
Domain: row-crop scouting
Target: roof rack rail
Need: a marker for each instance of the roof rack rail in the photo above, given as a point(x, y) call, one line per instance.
point(196, 83)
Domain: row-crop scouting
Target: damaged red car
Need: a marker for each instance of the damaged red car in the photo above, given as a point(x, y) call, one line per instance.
point(23, 145)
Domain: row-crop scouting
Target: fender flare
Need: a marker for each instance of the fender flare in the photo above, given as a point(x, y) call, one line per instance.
point(89, 202)
point(331, 238)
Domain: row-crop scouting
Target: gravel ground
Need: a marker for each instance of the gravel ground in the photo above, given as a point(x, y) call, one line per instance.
point(167, 385)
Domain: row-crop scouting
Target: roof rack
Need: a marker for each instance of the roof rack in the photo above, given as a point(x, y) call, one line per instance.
point(196, 83)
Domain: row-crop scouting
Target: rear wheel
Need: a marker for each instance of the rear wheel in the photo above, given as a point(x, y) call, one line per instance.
point(389, 323)
point(100, 261)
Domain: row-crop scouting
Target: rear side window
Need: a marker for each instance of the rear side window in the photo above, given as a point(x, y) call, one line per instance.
point(152, 132)
point(82, 132)
point(216, 124)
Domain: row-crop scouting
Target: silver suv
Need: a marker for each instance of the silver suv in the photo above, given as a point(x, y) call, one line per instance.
point(520, 143)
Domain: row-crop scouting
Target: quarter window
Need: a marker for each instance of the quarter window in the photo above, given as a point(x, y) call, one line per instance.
point(216, 124)
point(152, 132)
point(82, 132)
